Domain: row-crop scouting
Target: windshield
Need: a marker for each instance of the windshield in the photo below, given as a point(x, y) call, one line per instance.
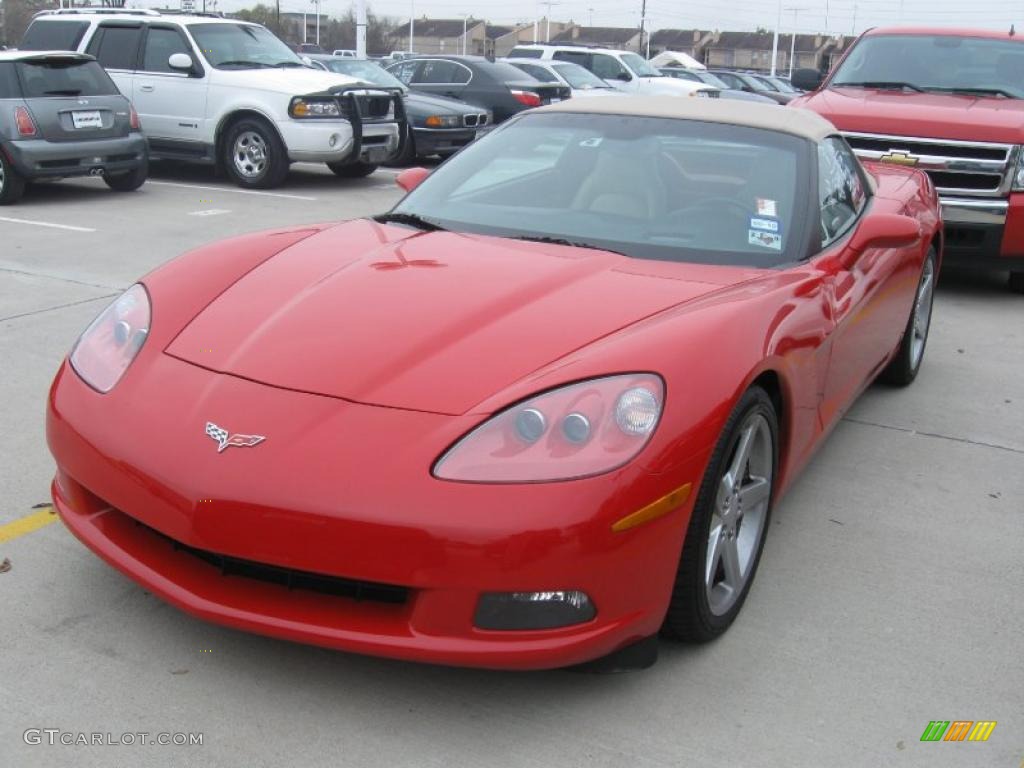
point(640, 66)
point(578, 77)
point(538, 72)
point(646, 187)
point(366, 71)
point(242, 46)
point(951, 63)
point(714, 80)
point(64, 77)
point(782, 85)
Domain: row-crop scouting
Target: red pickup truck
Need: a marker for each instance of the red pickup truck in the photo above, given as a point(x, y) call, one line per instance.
point(950, 102)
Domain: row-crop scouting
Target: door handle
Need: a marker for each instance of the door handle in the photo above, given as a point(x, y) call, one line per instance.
point(147, 88)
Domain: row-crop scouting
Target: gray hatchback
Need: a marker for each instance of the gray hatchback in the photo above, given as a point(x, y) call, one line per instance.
point(61, 115)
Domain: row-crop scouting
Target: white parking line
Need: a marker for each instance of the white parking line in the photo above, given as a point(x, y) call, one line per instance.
point(47, 224)
point(230, 189)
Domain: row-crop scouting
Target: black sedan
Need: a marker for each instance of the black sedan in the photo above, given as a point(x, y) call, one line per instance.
point(744, 81)
point(440, 126)
point(493, 85)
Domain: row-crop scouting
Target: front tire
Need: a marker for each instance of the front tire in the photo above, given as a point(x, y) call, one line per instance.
point(1016, 282)
point(253, 154)
point(130, 181)
point(903, 368)
point(12, 186)
point(730, 519)
point(352, 170)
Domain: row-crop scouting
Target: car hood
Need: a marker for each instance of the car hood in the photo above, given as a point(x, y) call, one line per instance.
point(436, 322)
point(422, 103)
point(293, 81)
point(927, 115)
point(671, 86)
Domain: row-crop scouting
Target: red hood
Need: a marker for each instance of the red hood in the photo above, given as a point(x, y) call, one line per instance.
point(928, 115)
point(430, 322)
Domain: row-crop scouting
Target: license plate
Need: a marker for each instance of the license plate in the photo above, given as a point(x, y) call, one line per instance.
point(376, 154)
point(554, 100)
point(86, 119)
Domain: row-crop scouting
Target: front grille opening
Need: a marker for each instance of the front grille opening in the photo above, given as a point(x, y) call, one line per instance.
point(977, 181)
point(470, 120)
point(291, 578)
point(897, 144)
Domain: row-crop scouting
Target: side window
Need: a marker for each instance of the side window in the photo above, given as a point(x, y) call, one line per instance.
point(439, 71)
point(116, 47)
point(161, 43)
point(606, 67)
point(576, 57)
point(53, 35)
point(524, 53)
point(462, 74)
point(841, 193)
point(9, 88)
point(404, 71)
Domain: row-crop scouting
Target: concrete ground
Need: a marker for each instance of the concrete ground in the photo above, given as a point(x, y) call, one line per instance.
point(889, 594)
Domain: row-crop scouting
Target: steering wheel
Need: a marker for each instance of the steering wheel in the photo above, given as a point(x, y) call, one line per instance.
point(716, 203)
point(721, 213)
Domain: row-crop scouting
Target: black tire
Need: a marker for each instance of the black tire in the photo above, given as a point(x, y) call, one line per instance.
point(12, 186)
point(1016, 282)
point(352, 170)
point(265, 169)
point(690, 616)
point(129, 181)
point(904, 367)
point(407, 156)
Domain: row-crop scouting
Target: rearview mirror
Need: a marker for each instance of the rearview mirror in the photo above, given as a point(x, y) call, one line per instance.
point(885, 230)
point(411, 178)
point(180, 61)
point(807, 79)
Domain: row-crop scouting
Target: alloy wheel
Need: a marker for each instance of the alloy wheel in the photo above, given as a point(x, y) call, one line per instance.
point(250, 155)
point(922, 313)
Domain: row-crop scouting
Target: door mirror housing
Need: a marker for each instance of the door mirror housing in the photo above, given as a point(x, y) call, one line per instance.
point(624, 77)
point(411, 178)
point(884, 230)
point(807, 79)
point(180, 62)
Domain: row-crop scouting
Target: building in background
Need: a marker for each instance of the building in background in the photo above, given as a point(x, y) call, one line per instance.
point(753, 50)
point(622, 38)
point(431, 36)
point(692, 42)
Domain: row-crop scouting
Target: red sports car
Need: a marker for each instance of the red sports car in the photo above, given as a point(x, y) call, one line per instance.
point(532, 417)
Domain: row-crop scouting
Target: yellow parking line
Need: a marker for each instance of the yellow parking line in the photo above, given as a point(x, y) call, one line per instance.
point(27, 524)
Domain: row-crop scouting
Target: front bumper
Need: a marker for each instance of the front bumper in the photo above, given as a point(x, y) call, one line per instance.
point(984, 233)
point(41, 159)
point(431, 141)
point(332, 141)
point(344, 490)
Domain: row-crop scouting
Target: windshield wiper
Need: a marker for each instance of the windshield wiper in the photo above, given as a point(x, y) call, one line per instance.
point(884, 84)
point(412, 219)
point(288, 64)
point(979, 91)
point(66, 92)
point(242, 63)
point(564, 241)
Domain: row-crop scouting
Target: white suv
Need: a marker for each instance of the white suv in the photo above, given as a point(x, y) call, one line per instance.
point(624, 70)
point(227, 92)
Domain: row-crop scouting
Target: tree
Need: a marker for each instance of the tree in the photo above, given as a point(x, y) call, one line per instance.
point(17, 15)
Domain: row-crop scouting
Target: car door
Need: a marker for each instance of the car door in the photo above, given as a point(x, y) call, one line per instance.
point(869, 305)
point(613, 72)
point(170, 102)
point(115, 44)
point(442, 77)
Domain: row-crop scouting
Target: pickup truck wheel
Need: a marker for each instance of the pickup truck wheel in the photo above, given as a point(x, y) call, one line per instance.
point(130, 181)
point(352, 170)
point(254, 156)
point(12, 186)
point(1017, 282)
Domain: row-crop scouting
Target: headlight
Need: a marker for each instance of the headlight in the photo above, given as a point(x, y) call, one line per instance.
point(103, 353)
point(1018, 174)
point(443, 121)
point(574, 431)
point(305, 108)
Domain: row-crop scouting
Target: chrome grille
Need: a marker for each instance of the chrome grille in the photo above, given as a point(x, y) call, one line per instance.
point(473, 121)
point(970, 168)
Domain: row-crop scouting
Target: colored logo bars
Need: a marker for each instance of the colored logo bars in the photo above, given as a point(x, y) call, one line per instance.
point(958, 730)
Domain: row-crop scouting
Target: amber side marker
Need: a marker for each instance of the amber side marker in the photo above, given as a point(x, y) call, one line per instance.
point(655, 509)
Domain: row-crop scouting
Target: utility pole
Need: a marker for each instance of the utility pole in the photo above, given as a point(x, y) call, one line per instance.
point(361, 29)
point(412, 21)
point(792, 39)
point(590, 21)
point(547, 33)
point(465, 23)
point(853, 31)
point(643, 18)
point(775, 39)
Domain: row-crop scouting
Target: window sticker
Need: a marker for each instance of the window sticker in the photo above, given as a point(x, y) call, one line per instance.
point(771, 240)
point(765, 225)
point(592, 142)
point(766, 207)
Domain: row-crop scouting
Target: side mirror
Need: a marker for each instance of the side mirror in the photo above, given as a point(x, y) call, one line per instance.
point(307, 61)
point(624, 77)
point(411, 178)
point(181, 62)
point(885, 230)
point(807, 79)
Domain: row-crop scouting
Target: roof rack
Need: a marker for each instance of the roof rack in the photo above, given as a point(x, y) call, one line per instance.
point(99, 12)
point(566, 44)
point(177, 12)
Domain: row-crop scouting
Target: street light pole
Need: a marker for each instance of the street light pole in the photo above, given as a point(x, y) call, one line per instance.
point(792, 39)
point(412, 21)
point(361, 29)
point(775, 40)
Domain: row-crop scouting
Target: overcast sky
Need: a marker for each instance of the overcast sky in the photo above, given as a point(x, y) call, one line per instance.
point(834, 16)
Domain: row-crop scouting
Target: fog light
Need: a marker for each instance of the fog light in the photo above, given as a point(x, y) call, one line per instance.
point(533, 610)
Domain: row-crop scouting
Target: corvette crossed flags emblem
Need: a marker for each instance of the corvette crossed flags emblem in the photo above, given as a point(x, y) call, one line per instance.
point(225, 440)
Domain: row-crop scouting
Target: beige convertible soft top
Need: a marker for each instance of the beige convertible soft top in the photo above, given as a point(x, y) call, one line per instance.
point(771, 117)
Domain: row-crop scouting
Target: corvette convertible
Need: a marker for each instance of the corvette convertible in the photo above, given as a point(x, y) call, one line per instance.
point(535, 416)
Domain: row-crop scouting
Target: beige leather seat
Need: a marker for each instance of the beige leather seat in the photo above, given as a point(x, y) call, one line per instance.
point(624, 181)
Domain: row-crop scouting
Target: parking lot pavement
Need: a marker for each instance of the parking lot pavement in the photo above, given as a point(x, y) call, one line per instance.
point(889, 593)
